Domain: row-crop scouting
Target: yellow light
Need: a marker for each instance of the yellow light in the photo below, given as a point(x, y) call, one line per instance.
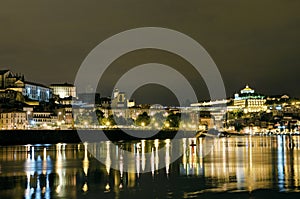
point(107, 187)
point(85, 188)
point(143, 123)
point(107, 123)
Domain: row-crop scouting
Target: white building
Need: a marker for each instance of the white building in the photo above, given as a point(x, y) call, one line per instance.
point(250, 101)
point(38, 92)
point(64, 90)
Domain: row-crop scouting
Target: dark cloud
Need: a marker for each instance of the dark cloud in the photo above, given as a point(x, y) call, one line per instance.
point(252, 41)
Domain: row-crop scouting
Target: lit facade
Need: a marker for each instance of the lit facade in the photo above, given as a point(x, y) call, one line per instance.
point(33, 91)
point(37, 92)
point(249, 100)
point(130, 103)
point(64, 90)
point(41, 119)
point(16, 82)
point(13, 120)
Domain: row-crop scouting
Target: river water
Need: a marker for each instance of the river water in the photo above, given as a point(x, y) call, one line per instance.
point(235, 167)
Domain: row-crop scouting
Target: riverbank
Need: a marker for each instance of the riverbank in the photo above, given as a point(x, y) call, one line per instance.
point(22, 137)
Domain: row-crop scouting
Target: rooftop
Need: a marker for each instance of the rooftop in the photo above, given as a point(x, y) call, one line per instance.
point(247, 89)
point(36, 84)
point(64, 85)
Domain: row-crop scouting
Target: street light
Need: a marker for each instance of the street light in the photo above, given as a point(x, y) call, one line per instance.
point(167, 124)
point(59, 115)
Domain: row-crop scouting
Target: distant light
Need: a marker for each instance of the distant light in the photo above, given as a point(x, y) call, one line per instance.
point(167, 124)
point(85, 187)
point(278, 108)
point(107, 187)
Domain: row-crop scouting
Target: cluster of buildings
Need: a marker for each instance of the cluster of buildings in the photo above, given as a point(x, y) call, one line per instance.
point(25, 104)
point(251, 112)
point(29, 105)
point(261, 114)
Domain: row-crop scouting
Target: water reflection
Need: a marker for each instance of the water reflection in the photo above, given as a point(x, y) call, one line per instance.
point(69, 171)
point(37, 170)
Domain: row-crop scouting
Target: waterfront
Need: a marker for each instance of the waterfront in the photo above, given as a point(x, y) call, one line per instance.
point(236, 167)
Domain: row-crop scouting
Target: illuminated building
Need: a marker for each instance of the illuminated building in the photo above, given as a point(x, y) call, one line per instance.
point(13, 120)
point(119, 99)
point(65, 114)
point(35, 91)
point(64, 90)
point(130, 103)
point(249, 100)
point(41, 119)
point(16, 82)
point(211, 103)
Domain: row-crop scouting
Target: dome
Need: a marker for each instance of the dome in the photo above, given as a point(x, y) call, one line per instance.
point(247, 89)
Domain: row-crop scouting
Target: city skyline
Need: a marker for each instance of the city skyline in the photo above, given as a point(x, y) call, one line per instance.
point(138, 94)
point(254, 42)
point(150, 99)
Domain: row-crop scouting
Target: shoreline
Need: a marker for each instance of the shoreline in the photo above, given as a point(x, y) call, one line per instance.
point(23, 137)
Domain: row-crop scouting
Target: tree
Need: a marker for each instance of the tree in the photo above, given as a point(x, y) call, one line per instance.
point(173, 120)
point(99, 113)
point(109, 121)
point(238, 126)
point(100, 116)
point(142, 119)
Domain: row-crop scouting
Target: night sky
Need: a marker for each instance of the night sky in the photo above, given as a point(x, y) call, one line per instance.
point(251, 41)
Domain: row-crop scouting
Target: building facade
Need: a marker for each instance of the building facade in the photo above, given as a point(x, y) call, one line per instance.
point(16, 82)
point(64, 90)
point(13, 120)
point(250, 101)
point(37, 92)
